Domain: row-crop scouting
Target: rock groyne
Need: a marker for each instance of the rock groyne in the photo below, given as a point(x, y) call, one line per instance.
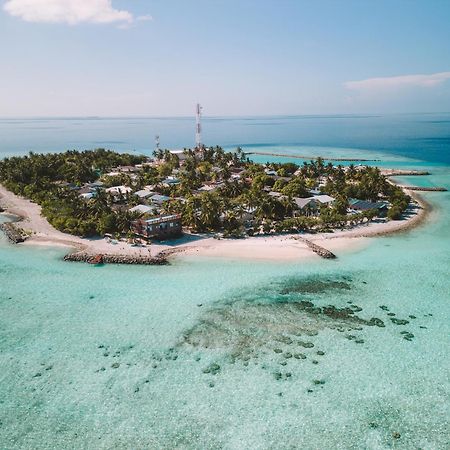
point(421, 188)
point(401, 172)
point(322, 252)
point(116, 259)
point(13, 233)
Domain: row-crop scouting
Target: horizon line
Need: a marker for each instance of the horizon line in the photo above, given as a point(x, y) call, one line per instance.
point(101, 117)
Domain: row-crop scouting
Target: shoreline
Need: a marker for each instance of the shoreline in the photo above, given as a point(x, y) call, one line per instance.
point(282, 248)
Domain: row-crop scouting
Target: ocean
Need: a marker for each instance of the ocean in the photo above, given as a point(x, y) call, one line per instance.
point(229, 354)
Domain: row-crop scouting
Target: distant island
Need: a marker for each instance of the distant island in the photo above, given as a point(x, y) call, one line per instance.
point(137, 199)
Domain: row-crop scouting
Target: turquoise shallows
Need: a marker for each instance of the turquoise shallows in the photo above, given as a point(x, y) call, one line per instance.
point(192, 355)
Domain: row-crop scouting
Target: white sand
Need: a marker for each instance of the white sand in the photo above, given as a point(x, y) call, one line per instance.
point(274, 248)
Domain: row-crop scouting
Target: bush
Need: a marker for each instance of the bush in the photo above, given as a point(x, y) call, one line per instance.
point(394, 213)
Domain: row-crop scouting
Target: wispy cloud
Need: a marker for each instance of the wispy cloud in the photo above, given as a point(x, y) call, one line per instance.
point(378, 84)
point(71, 12)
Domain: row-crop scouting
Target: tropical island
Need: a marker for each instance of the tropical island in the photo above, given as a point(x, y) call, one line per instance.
point(118, 197)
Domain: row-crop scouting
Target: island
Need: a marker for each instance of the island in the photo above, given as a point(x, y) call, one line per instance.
point(142, 209)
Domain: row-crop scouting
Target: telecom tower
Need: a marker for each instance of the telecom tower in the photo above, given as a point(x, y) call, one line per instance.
point(198, 127)
point(157, 142)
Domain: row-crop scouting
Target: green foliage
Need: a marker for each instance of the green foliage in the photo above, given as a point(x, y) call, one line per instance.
point(394, 213)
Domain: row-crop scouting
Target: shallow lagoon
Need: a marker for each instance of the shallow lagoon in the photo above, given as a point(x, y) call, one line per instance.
point(217, 354)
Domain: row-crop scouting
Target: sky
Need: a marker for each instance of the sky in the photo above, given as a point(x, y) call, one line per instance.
point(235, 57)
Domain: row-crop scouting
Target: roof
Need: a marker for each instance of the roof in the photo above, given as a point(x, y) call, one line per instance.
point(364, 205)
point(143, 193)
point(159, 198)
point(159, 219)
point(171, 180)
point(207, 188)
point(119, 189)
point(143, 209)
point(302, 202)
point(323, 198)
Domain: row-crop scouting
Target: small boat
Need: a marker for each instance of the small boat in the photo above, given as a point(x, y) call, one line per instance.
point(97, 259)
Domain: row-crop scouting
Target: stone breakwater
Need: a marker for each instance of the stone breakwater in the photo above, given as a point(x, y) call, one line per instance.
point(322, 252)
point(13, 233)
point(401, 172)
point(422, 188)
point(116, 259)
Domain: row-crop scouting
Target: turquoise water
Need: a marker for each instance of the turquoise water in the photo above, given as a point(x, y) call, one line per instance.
point(115, 356)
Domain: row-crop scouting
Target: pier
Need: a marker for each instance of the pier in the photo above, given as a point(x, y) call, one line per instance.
point(13, 233)
point(321, 251)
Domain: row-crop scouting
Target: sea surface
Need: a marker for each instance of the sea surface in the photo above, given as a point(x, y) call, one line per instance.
point(228, 354)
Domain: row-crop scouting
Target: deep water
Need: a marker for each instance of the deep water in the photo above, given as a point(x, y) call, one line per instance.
point(211, 354)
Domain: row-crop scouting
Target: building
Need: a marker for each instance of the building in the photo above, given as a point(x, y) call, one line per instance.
point(119, 190)
point(159, 199)
point(159, 227)
point(311, 205)
point(144, 193)
point(142, 209)
point(365, 205)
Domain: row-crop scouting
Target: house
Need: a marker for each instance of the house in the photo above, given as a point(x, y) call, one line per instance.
point(159, 199)
point(180, 154)
point(88, 191)
point(159, 227)
point(365, 205)
point(127, 169)
point(237, 172)
point(144, 193)
point(171, 181)
point(324, 199)
point(143, 209)
point(275, 194)
point(119, 190)
point(207, 188)
point(311, 205)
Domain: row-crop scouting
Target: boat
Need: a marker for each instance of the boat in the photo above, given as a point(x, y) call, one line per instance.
point(97, 259)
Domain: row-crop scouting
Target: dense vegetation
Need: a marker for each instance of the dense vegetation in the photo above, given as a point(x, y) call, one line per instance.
point(261, 198)
point(38, 177)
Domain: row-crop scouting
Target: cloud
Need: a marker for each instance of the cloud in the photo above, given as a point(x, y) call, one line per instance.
point(71, 12)
point(385, 83)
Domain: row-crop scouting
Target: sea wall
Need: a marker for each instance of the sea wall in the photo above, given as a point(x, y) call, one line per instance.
point(116, 259)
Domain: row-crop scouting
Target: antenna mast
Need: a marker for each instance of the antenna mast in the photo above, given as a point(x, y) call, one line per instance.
point(198, 127)
point(157, 142)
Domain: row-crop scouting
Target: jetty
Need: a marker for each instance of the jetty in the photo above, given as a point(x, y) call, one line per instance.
point(116, 259)
point(13, 233)
point(422, 188)
point(321, 251)
point(284, 155)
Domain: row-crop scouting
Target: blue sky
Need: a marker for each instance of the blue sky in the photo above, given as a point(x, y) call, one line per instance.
point(236, 57)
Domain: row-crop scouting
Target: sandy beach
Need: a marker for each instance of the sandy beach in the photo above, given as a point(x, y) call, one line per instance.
point(273, 248)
